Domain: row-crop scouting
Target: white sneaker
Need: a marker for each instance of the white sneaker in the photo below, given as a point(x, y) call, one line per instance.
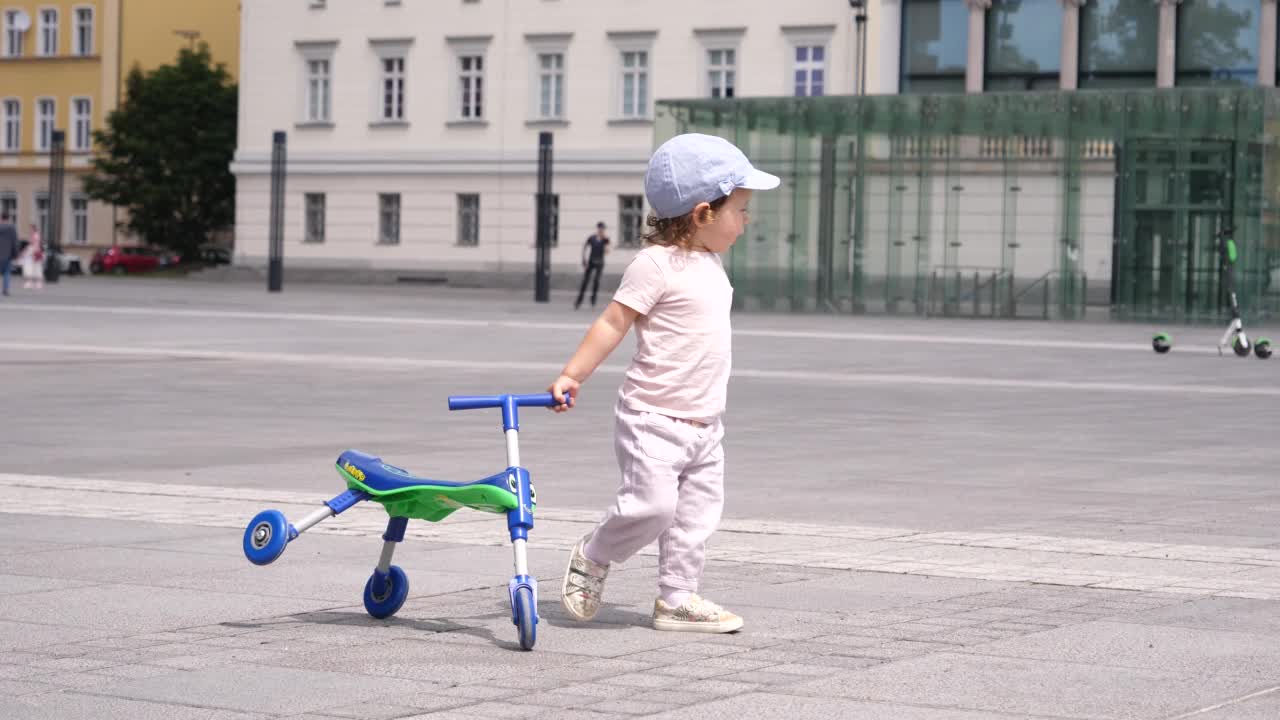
point(695, 615)
point(583, 584)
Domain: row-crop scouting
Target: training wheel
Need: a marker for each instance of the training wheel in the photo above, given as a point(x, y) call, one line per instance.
point(1262, 348)
point(1161, 343)
point(383, 595)
point(526, 617)
point(1240, 346)
point(265, 537)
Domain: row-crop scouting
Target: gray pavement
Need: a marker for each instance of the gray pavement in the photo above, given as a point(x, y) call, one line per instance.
point(926, 519)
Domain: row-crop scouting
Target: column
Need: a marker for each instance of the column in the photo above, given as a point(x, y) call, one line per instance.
point(1165, 67)
point(888, 40)
point(1267, 45)
point(1069, 79)
point(975, 68)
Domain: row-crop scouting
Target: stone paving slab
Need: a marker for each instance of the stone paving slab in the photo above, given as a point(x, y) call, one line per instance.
point(1036, 687)
point(886, 645)
point(1194, 570)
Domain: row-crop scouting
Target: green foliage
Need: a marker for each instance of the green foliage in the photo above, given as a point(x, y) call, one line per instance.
point(165, 154)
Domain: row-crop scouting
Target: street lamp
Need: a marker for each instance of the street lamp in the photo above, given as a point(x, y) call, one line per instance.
point(860, 30)
point(190, 35)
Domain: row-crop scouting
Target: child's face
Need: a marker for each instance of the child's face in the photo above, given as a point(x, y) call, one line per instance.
point(731, 220)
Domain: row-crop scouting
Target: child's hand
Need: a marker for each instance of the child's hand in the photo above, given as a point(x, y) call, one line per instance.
point(565, 390)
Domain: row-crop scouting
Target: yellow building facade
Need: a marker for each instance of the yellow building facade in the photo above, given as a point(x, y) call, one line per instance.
point(62, 67)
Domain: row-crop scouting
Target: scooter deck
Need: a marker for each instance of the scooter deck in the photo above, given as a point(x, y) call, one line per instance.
point(430, 501)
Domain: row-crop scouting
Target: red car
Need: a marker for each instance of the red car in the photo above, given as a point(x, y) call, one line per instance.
point(120, 260)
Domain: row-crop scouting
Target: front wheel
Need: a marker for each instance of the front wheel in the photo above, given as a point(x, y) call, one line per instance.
point(265, 537)
point(526, 617)
point(1240, 346)
point(383, 596)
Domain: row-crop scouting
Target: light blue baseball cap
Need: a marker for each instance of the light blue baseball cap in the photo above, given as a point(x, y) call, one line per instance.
point(695, 168)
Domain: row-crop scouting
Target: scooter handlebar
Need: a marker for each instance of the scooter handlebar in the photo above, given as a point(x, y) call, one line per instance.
point(477, 402)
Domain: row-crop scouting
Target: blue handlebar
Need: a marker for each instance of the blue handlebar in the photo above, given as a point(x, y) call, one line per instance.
point(478, 402)
point(508, 403)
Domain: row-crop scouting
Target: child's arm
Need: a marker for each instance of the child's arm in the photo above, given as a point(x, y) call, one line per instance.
point(603, 336)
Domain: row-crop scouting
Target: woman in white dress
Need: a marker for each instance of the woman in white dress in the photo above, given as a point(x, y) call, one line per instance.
point(33, 261)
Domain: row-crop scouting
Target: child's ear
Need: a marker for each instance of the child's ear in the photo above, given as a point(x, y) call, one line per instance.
point(703, 214)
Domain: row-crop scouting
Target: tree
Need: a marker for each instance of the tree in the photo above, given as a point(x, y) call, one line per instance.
point(166, 152)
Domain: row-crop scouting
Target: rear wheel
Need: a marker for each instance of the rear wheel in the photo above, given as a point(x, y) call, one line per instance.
point(383, 596)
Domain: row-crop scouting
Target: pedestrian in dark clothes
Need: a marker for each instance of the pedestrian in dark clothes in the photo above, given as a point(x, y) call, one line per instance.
point(593, 251)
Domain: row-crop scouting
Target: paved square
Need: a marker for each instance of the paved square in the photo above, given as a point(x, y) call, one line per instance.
point(927, 519)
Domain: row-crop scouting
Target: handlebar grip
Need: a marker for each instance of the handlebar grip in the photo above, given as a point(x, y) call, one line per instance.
point(474, 402)
point(545, 399)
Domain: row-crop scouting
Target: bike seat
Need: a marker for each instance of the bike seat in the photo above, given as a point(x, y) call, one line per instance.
point(382, 477)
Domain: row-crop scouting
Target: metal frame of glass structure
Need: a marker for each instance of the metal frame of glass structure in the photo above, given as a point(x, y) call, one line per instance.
point(1019, 204)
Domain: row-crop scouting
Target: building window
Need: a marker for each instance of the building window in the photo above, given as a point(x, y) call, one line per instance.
point(9, 207)
point(45, 111)
point(635, 84)
point(550, 86)
point(630, 220)
point(389, 218)
point(1217, 42)
point(471, 87)
point(42, 214)
point(12, 125)
point(810, 70)
point(318, 83)
point(468, 219)
point(313, 231)
point(393, 88)
point(1118, 40)
point(935, 42)
point(79, 219)
point(13, 37)
point(84, 31)
point(82, 135)
point(1024, 45)
point(721, 71)
point(48, 32)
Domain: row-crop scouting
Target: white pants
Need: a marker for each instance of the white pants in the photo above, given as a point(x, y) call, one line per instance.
point(32, 270)
point(672, 490)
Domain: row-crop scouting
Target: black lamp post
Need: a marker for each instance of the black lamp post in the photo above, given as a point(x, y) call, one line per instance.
point(860, 30)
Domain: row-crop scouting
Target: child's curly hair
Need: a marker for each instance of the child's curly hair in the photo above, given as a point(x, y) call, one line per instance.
point(679, 231)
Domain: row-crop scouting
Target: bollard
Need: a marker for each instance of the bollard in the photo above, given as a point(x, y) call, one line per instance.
point(542, 264)
point(275, 261)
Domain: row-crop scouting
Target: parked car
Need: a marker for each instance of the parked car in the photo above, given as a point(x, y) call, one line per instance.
point(120, 259)
point(68, 264)
point(215, 255)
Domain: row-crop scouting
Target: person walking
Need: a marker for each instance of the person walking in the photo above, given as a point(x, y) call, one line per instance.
point(668, 431)
point(8, 248)
point(33, 261)
point(593, 251)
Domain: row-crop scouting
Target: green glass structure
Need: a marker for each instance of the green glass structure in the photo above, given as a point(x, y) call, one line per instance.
point(1020, 204)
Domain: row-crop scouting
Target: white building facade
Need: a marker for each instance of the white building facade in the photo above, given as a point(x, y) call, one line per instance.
point(413, 126)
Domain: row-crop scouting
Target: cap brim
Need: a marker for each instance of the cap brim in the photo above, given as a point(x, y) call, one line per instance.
point(760, 180)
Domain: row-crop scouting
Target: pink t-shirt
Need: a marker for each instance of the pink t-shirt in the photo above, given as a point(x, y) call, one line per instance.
point(683, 337)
